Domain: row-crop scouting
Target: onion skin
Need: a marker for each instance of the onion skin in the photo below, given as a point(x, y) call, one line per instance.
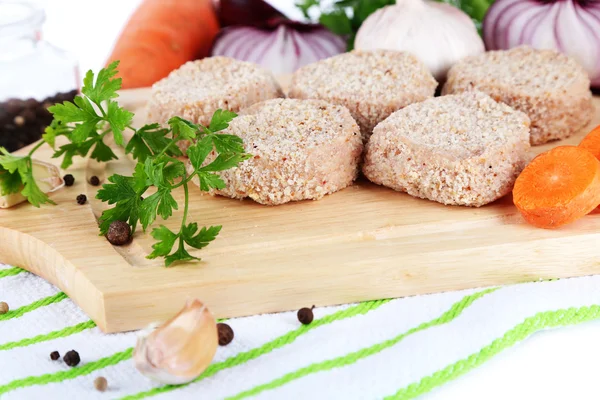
point(282, 49)
point(569, 26)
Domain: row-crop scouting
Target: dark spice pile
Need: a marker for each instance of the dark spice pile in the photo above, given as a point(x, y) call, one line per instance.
point(23, 121)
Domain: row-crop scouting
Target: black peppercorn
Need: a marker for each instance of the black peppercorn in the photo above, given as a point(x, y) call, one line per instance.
point(94, 181)
point(69, 180)
point(55, 355)
point(305, 315)
point(81, 199)
point(71, 358)
point(119, 233)
point(225, 334)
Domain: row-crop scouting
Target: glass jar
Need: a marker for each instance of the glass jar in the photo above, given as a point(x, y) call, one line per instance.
point(33, 75)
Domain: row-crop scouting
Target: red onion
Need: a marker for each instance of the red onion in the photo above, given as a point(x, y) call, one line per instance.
point(569, 26)
point(246, 13)
point(283, 48)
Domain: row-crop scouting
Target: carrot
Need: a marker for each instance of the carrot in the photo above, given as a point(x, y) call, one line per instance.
point(592, 142)
point(160, 36)
point(558, 187)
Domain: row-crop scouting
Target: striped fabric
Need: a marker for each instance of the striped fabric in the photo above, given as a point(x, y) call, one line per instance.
point(395, 349)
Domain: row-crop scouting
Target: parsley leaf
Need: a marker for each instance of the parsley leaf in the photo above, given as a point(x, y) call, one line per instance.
point(160, 203)
point(198, 152)
point(69, 112)
point(122, 192)
point(120, 189)
point(138, 148)
point(150, 140)
point(209, 181)
point(55, 129)
point(102, 152)
point(173, 170)
point(180, 255)
point(105, 87)
point(73, 149)
point(166, 239)
point(228, 143)
point(183, 129)
point(84, 130)
point(9, 162)
point(118, 118)
point(220, 120)
point(9, 182)
point(203, 238)
point(225, 161)
point(31, 190)
point(12, 165)
point(154, 171)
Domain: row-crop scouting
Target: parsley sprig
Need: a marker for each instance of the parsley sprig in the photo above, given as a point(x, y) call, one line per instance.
point(90, 118)
point(16, 175)
point(156, 151)
point(84, 122)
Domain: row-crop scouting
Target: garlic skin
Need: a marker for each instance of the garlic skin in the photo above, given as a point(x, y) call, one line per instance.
point(437, 33)
point(47, 176)
point(181, 349)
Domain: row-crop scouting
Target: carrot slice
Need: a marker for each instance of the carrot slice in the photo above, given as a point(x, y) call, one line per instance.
point(592, 142)
point(558, 187)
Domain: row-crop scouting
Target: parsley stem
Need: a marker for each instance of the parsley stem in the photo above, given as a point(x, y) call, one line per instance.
point(104, 133)
point(186, 196)
point(37, 146)
point(101, 110)
point(183, 181)
point(166, 148)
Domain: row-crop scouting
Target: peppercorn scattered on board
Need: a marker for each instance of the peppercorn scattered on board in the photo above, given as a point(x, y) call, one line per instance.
point(365, 242)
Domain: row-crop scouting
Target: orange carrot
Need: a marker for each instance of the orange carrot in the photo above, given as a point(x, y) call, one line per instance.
point(160, 36)
point(558, 187)
point(592, 142)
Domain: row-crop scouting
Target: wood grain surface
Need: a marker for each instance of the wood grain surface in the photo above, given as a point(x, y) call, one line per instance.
point(365, 242)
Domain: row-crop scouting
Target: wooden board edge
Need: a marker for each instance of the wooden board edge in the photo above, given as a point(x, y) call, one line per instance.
point(44, 261)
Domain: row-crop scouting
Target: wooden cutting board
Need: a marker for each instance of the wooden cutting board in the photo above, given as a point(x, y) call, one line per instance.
point(365, 242)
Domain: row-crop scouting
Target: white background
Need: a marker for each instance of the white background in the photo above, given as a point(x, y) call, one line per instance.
point(560, 364)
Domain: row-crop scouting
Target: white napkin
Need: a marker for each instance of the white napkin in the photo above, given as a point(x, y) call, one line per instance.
point(403, 348)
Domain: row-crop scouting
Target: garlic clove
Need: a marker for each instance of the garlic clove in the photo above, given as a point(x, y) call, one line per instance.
point(47, 176)
point(181, 349)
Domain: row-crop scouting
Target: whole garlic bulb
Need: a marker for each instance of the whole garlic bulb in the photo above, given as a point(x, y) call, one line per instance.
point(181, 349)
point(437, 33)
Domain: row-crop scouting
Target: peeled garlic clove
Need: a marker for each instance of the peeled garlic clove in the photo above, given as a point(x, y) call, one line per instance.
point(47, 176)
point(181, 349)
